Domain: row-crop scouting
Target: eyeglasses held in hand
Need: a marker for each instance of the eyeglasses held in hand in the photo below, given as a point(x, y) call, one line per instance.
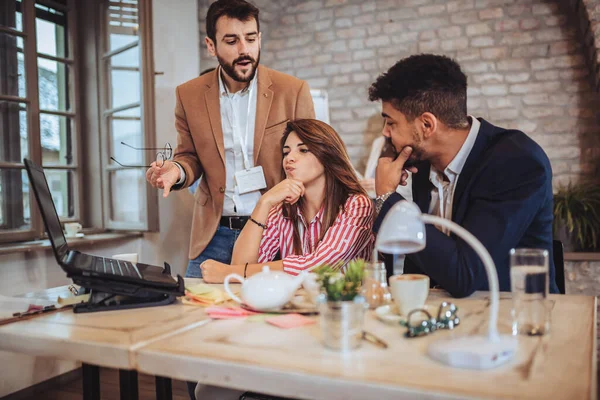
point(165, 153)
point(446, 319)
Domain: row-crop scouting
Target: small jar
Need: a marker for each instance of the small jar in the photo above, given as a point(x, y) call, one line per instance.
point(374, 285)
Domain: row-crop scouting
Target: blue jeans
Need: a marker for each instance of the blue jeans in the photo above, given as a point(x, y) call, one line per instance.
point(218, 249)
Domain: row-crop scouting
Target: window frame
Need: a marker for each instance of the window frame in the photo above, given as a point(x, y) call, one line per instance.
point(34, 111)
point(147, 113)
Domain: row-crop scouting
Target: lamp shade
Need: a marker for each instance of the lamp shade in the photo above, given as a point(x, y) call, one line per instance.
point(402, 230)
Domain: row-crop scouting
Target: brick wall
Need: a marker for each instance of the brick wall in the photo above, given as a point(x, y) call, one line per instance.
point(526, 65)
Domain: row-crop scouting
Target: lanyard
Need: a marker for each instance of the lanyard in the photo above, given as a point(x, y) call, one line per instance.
point(242, 138)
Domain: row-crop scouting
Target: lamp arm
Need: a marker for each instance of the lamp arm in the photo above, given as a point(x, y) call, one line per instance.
point(488, 263)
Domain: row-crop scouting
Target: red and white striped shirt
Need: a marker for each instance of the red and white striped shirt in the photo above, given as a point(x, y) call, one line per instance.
point(349, 237)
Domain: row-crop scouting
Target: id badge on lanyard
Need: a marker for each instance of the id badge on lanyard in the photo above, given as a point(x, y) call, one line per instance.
point(251, 178)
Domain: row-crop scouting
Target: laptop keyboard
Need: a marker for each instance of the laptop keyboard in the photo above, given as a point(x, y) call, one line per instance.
point(116, 267)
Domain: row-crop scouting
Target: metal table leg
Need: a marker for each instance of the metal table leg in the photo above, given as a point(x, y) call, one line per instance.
point(91, 381)
point(128, 384)
point(163, 388)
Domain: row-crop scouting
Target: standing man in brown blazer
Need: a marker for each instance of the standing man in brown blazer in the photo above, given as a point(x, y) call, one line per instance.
point(229, 123)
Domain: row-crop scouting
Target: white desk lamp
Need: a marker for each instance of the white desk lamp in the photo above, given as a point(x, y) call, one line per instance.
point(403, 231)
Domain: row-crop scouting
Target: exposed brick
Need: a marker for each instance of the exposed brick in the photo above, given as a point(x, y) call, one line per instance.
point(368, 6)
point(492, 13)
point(362, 77)
point(460, 5)
point(306, 17)
point(512, 65)
point(534, 50)
point(482, 41)
point(432, 9)
point(477, 29)
point(325, 36)
point(351, 33)
point(427, 23)
point(555, 20)
point(347, 11)
point(405, 37)
point(343, 23)
point(335, 46)
point(467, 17)
point(429, 46)
point(455, 44)
point(494, 90)
point(518, 77)
point(529, 24)
point(506, 25)
point(364, 19)
point(488, 78)
point(550, 35)
point(563, 47)
point(501, 114)
point(364, 54)
point(522, 88)
point(355, 44)
point(450, 32)
point(550, 75)
point(536, 99)
point(393, 27)
point(518, 10)
point(494, 53)
point(517, 38)
point(427, 35)
point(377, 41)
point(477, 67)
point(500, 102)
point(544, 9)
point(318, 83)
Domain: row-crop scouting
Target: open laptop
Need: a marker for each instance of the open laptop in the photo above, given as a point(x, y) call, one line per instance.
point(98, 273)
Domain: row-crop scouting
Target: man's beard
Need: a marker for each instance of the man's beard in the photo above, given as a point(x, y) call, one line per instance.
point(417, 154)
point(235, 75)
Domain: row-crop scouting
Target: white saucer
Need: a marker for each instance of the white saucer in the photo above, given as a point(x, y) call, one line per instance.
point(390, 315)
point(78, 235)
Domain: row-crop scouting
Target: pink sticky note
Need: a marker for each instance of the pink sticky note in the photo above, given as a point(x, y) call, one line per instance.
point(287, 321)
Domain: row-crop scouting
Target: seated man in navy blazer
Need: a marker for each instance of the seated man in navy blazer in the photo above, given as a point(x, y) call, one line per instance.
point(494, 182)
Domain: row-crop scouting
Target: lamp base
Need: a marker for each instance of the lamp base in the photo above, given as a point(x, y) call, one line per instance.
point(474, 352)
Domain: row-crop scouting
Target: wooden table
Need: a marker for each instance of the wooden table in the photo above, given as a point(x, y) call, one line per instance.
point(178, 341)
point(107, 339)
point(259, 357)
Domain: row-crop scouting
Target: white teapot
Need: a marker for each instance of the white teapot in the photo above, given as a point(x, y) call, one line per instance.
point(266, 290)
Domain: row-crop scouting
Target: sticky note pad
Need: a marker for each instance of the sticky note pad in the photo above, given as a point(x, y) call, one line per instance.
point(287, 321)
point(199, 289)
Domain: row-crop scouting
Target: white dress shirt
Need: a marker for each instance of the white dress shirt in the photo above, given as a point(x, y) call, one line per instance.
point(237, 120)
point(442, 195)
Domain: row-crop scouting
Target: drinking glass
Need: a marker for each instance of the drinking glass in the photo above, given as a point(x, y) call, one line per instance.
point(529, 286)
point(374, 285)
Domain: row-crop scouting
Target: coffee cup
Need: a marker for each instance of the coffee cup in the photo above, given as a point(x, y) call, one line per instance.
point(409, 291)
point(72, 228)
point(131, 257)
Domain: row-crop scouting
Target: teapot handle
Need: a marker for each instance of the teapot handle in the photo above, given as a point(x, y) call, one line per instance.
point(226, 286)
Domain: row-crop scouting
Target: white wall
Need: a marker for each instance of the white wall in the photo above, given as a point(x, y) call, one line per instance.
point(177, 56)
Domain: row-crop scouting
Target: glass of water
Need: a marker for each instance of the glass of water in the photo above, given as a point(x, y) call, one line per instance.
point(529, 286)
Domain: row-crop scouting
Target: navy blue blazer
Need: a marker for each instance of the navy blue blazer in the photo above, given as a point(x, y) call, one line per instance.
point(503, 196)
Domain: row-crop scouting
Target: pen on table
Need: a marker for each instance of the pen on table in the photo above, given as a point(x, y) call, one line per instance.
point(369, 337)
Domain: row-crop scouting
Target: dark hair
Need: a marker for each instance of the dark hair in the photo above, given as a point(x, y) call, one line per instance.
point(340, 180)
point(238, 9)
point(425, 83)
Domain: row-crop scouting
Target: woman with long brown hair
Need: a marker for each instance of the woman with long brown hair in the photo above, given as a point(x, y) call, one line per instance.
point(318, 214)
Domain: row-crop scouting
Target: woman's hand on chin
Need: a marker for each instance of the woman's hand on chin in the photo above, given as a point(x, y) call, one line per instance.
point(289, 191)
point(214, 271)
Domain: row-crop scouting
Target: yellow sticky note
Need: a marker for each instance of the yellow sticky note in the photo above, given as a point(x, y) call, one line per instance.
point(200, 289)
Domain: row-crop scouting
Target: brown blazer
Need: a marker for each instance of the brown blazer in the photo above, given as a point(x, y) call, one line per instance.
point(200, 149)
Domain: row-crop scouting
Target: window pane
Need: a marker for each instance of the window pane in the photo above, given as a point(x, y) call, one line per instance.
point(13, 132)
point(57, 140)
point(126, 127)
point(124, 85)
point(54, 85)
point(14, 200)
point(10, 14)
point(122, 23)
point(12, 66)
point(128, 198)
point(50, 31)
point(61, 189)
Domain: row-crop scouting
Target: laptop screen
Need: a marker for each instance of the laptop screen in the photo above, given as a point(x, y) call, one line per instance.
point(46, 205)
